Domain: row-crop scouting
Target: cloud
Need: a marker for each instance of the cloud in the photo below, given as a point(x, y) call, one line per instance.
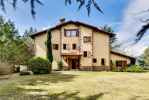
point(133, 14)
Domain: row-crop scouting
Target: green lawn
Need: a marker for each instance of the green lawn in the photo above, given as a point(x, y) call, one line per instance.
point(76, 85)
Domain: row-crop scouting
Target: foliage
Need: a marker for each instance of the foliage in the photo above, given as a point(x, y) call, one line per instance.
point(49, 47)
point(134, 68)
point(14, 4)
point(87, 3)
point(146, 67)
point(13, 48)
point(113, 66)
point(109, 29)
point(60, 65)
point(141, 32)
point(25, 73)
point(81, 3)
point(27, 33)
point(146, 56)
point(39, 65)
point(141, 60)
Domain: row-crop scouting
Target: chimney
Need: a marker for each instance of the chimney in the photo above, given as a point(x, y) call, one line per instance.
point(62, 20)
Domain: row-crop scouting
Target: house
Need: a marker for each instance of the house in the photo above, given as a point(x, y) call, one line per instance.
point(80, 46)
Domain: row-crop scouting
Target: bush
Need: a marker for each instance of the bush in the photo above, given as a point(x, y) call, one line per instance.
point(39, 66)
point(60, 65)
point(146, 67)
point(26, 73)
point(134, 68)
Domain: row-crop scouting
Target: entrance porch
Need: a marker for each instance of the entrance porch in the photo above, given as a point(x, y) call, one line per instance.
point(73, 61)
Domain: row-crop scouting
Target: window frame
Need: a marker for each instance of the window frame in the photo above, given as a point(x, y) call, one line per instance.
point(55, 46)
point(103, 62)
point(74, 46)
point(71, 30)
point(64, 45)
point(94, 60)
point(87, 39)
point(85, 54)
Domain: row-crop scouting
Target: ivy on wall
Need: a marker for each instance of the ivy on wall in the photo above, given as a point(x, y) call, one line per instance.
point(49, 47)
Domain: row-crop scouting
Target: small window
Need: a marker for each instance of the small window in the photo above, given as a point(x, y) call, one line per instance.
point(55, 46)
point(94, 60)
point(87, 39)
point(74, 46)
point(85, 54)
point(64, 46)
point(102, 61)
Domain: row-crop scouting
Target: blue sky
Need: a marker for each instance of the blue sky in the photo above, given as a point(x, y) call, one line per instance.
point(53, 10)
point(119, 14)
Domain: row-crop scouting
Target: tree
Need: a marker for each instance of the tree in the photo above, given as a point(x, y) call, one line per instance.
point(13, 48)
point(146, 56)
point(141, 60)
point(142, 31)
point(49, 47)
point(88, 3)
point(27, 33)
point(14, 4)
point(113, 39)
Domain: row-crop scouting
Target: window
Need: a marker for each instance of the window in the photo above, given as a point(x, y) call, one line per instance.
point(87, 39)
point(85, 53)
point(71, 33)
point(103, 61)
point(74, 46)
point(121, 63)
point(94, 60)
point(55, 46)
point(64, 46)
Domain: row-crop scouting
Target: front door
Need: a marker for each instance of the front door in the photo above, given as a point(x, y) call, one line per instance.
point(73, 62)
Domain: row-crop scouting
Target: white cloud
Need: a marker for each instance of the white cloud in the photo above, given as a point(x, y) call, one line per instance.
point(133, 14)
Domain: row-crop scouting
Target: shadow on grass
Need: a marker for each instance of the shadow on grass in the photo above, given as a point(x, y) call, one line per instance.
point(54, 77)
point(74, 96)
point(56, 96)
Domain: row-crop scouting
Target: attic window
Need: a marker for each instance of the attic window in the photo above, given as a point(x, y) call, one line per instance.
point(71, 33)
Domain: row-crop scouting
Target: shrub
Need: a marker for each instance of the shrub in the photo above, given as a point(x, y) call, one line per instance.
point(134, 68)
point(39, 65)
point(60, 65)
point(146, 67)
point(26, 73)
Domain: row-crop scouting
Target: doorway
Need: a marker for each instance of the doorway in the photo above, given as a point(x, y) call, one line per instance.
point(73, 61)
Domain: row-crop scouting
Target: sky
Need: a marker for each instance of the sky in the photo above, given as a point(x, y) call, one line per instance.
point(122, 15)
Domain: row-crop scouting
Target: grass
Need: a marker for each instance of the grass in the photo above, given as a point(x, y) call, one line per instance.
point(76, 85)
